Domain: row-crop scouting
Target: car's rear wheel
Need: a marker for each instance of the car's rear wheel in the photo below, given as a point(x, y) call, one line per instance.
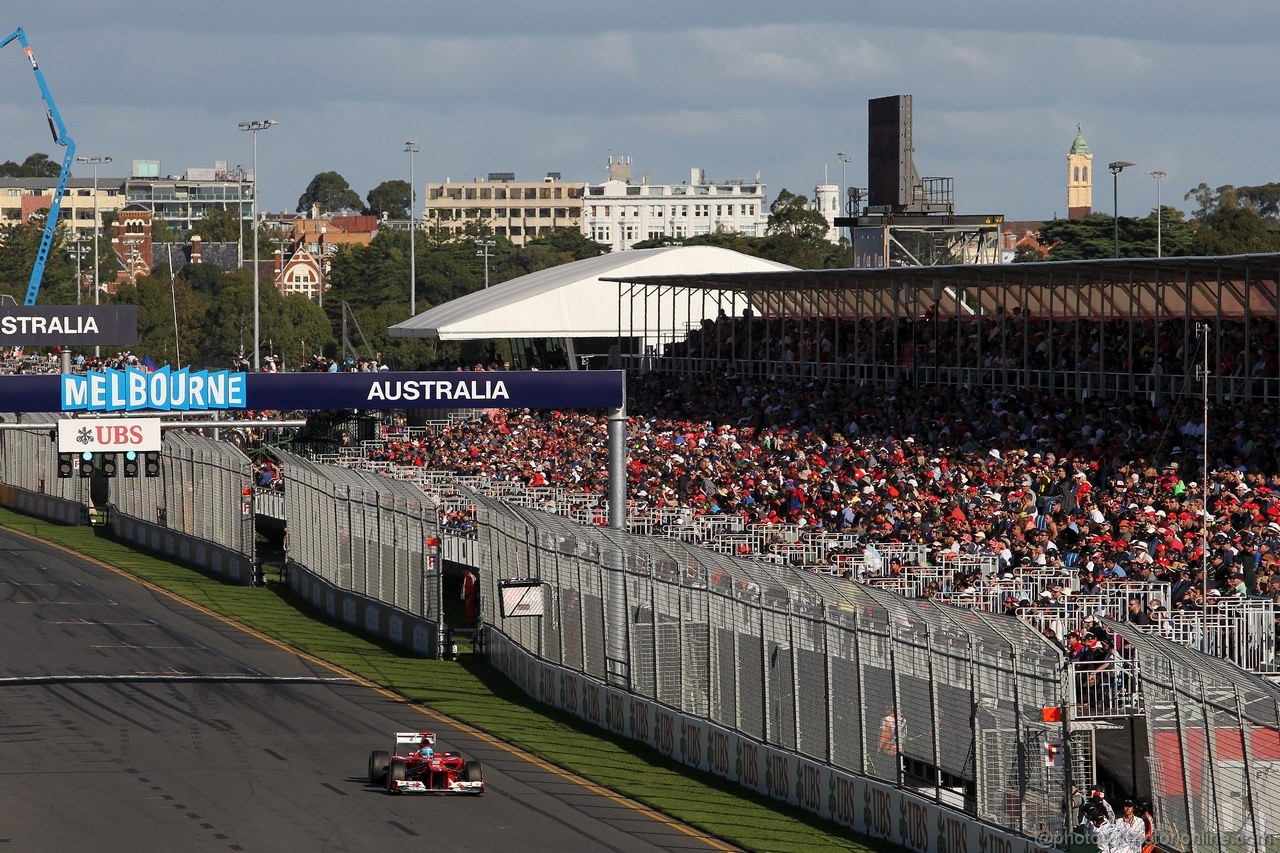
point(473, 772)
point(378, 763)
point(396, 772)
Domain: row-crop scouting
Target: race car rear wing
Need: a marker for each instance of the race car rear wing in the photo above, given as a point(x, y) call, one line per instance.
point(416, 738)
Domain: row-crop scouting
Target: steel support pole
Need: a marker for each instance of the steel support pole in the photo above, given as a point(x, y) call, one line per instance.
point(616, 576)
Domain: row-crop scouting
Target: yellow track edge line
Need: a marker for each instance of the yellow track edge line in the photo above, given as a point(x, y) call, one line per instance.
point(430, 713)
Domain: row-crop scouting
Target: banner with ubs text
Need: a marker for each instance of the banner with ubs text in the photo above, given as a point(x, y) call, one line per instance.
point(110, 391)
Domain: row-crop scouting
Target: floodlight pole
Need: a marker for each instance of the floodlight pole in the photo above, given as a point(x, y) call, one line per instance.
point(485, 246)
point(95, 161)
point(412, 148)
point(253, 127)
point(1159, 175)
point(1116, 168)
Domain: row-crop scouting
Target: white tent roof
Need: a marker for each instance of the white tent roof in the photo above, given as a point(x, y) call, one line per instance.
point(568, 301)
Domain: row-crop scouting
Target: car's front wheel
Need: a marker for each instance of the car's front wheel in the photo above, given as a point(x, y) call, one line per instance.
point(397, 771)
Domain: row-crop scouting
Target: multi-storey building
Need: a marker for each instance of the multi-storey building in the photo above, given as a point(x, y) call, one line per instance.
point(183, 201)
point(21, 197)
point(517, 210)
point(620, 212)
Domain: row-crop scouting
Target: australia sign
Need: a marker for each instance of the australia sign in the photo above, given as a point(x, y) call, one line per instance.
point(184, 390)
point(68, 325)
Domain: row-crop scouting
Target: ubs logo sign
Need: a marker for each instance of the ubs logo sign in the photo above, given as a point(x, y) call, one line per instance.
point(568, 692)
point(953, 835)
point(639, 719)
point(777, 777)
point(664, 732)
point(748, 768)
point(718, 753)
point(913, 825)
point(809, 787)
point(691, 743)
point(879, 813)
point(591, 702)
point(615, 716)
point(842, 799)
point(548, 688)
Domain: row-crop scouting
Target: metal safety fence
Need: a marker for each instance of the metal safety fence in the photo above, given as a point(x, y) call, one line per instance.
point(363, 533)
point(1212, 744)
point(29, 459)
point(200, 492)
point(939, 701)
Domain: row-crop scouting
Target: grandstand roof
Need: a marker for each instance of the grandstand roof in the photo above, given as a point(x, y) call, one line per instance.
point(1229, 285)
point(576, 300)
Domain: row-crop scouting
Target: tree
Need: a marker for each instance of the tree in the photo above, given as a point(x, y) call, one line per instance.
point(219, 225)
point(19, 242)
point(1235, 231)
point(797, 235)
point(390, 198)
point(790, 215)
point(155, 296)
point(1093, 237)
point(35, 166)
point(331, 192)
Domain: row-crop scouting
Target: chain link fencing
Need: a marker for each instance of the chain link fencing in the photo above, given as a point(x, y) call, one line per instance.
point(363, 533)
point(29, 467)
point(200, 492)
point(942, 702)
point(1212, 744)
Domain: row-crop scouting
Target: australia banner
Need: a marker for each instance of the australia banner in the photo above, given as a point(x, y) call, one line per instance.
point(68, 325)
point(213, 390)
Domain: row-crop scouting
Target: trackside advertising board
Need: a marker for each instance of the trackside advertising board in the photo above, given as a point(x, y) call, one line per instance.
point(68, 325)
point(207, 390)
point(103, 435)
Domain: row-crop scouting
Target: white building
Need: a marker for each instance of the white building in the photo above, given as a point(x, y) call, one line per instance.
point(621, 212)
point(826, 200)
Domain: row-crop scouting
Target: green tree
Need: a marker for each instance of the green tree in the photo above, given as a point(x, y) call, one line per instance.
point(390, 198)
point(219, 225)
point(155, 296)
point(1235, 230)
point(1093, 237)
point(297, 325)
point(331, 192)
point(35, 166)
point(790, 215)
point(19, 243)
point(797, 235)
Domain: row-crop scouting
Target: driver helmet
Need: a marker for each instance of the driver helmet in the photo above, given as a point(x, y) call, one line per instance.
point(426, 751)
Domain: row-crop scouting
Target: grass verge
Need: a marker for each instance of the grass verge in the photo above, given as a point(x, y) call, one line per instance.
point(470, 691)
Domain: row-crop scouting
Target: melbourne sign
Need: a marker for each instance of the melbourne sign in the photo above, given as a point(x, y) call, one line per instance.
point(131, 390)
point(167, 390)
point(68, 325)
point(108, 435)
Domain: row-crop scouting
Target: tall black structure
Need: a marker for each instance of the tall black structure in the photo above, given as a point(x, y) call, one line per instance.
point(909, 220)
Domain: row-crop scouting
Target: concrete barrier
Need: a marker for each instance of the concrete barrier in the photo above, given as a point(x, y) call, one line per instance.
point(48, 507)
point(369, 615)
point(864, 805)
point(221, 561)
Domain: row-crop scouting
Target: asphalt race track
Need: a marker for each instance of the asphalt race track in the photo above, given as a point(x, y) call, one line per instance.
point(130, 721)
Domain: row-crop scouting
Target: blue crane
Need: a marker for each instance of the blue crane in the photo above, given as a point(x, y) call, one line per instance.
point(60, 136)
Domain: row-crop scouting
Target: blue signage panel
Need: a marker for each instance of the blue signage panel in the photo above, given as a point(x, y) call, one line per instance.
point(132, 390)
point(183, 390)
point(548, 389)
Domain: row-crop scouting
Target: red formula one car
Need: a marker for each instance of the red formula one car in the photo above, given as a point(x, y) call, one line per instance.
point(416, 768)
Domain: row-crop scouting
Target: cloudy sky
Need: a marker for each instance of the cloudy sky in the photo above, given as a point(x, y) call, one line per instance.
point(532, 86)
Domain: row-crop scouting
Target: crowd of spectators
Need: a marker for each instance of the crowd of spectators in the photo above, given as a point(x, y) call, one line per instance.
point(18, 361)
point(1011, 340)
point(1110, 490)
